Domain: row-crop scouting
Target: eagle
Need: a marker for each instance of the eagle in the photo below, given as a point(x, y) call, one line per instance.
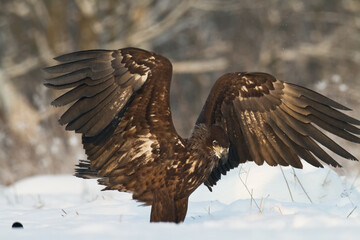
point(119, 101)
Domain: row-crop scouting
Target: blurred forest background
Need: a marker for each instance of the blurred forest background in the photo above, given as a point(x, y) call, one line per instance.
point(312, 43)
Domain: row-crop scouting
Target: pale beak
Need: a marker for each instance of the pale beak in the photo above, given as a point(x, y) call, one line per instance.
point(221, 153)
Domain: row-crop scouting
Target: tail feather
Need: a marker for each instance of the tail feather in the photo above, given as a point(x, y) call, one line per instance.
point(83, 170)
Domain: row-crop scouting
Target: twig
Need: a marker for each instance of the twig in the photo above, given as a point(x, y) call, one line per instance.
point(247, 189)
point(208, 210)
point(296, 177)
point(65, 213)
point(200, 66)
point(325, 180)
point(277, 207)
point(287, 184)
point(351, 212)
point(221, 6)
point(251, 202)
point(262, 204)
point(260, 210)
point(353, 182)
point(155, 30)
point(25, 66)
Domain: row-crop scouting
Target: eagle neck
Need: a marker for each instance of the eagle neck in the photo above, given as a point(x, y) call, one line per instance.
point(200, 148)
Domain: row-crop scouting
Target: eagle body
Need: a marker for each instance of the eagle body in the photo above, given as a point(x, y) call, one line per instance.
point(119, 102)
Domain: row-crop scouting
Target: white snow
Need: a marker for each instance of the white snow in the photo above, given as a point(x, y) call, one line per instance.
point(343, 87)
point(321, 85)
point(66, 207)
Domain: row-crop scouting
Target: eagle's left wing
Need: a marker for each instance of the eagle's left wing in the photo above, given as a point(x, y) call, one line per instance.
point(273, 121)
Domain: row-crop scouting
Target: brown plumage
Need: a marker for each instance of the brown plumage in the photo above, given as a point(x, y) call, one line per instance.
point(119, 102)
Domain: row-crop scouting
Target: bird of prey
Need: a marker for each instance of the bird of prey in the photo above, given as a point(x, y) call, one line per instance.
point(119, 101)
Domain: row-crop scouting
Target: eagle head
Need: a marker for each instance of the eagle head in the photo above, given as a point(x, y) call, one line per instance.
point(219, 142)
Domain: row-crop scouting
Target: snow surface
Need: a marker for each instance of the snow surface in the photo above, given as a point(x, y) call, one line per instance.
point(65, 207)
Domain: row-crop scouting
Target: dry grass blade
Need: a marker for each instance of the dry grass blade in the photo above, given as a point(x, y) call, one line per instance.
point(351, 212)
point(287, 184)
point(302, 187)
point(247, 189)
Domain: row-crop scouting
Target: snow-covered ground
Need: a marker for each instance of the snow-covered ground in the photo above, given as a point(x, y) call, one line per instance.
point(65, 207)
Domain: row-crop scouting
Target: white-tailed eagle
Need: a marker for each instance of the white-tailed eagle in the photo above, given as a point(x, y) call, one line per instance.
point(119, 102)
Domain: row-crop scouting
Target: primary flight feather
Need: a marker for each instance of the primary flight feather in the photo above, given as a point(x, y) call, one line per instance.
point(119, 102)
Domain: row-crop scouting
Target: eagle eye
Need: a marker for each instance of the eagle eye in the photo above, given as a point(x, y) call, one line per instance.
point(215, 142)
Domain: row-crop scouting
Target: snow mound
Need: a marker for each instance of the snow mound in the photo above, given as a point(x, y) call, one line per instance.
point(251, 202)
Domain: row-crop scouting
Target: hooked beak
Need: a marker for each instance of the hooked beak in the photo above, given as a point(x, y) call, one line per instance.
point(221, 153)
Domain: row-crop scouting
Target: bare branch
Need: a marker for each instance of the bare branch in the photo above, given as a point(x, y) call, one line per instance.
point(14, 70)
point(155, 30)
point(200, 66)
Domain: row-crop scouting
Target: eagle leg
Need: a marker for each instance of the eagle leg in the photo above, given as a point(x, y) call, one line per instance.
point(181, 206)
point(163, 207)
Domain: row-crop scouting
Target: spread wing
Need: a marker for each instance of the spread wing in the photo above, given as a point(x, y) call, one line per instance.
point(101, 82)
point(119, 102)
point(274, 121)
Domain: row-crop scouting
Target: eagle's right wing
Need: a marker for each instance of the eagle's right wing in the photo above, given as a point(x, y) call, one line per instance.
point(119, 102)
point(101, 82)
